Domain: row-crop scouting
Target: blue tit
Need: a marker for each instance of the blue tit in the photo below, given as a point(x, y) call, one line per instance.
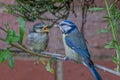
point(38, 37)
point(75, 46)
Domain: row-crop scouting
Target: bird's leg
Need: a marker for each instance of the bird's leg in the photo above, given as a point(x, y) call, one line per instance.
point(57, 56)
point(65, 58)
point(37, 61)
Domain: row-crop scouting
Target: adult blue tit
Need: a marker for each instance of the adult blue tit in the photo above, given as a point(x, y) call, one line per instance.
point(38, 37)
point(75, 46)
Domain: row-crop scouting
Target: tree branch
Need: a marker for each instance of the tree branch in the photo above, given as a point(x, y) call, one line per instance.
point(3, 29)
point(107, 70)
point(26, 50)
point(48, 54)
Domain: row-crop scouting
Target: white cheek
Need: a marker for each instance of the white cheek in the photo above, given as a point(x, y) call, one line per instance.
point(61, 29)
point(67, 28)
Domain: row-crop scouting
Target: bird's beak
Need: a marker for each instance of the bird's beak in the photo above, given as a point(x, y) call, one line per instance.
point(45, 28)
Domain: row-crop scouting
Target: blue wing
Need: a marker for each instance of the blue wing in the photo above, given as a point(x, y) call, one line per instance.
point(76, 42)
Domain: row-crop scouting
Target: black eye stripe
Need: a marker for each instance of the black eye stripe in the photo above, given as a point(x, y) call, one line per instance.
point(63, 24)
point(38, 27)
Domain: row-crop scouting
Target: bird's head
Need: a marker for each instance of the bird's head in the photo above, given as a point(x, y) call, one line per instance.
point(39, 28)
point(66, 26)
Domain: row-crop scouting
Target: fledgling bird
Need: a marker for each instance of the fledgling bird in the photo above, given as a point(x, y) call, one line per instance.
point(38, 37)
point(75, 46)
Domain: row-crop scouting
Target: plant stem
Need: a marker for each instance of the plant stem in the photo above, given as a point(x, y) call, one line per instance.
point(113, 30)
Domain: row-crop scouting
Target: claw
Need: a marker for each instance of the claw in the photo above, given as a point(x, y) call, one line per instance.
point(61, 58)
point(57, 56)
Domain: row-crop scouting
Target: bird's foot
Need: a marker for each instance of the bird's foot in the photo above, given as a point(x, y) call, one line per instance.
point(57, 56)
point(65, 58)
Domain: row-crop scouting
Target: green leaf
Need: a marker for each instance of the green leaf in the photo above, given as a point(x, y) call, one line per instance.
point(118, 50)
point(114, 59)
point(12, 36)
point(4, 55)
point(103, 31)
point(1, 60)
point(43, 61)
point(95, 9)
point(21, 23)
point(107, 17)
point(48, 66)
point(11, 61)
point(109, 45)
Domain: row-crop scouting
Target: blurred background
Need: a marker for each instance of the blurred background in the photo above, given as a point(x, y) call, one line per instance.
point(24, 68)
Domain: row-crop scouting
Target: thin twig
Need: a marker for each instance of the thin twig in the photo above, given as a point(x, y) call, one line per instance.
point(107, 70)
point(49, 56)
point(29, 51)
point(26, 50)
point(3, 29)
point(2, 39)
point(73, 9)
point(13, 50)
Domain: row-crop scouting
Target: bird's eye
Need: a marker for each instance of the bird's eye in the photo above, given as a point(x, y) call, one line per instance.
point(62, 24)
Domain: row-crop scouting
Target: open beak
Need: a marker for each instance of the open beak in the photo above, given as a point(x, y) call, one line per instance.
point(45, 28)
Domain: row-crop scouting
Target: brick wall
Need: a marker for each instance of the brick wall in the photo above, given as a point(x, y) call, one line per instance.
point(26, 70)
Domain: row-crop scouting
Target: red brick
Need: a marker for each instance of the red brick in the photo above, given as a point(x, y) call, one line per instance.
point(73, 71)
point(24, 70)
point(8, 1)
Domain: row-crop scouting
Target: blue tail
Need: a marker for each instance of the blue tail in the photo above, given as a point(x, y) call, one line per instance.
point(95, 73)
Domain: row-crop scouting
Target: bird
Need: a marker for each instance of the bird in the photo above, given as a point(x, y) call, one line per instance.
point(38, 37)
point(76, 46)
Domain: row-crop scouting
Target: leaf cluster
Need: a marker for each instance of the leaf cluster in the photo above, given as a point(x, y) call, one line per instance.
point(5, 55)
point(12, 37)
point(36, 9)
point(15, 40)
point(113, 17)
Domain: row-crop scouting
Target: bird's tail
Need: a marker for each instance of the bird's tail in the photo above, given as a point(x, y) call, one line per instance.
point(95, 73)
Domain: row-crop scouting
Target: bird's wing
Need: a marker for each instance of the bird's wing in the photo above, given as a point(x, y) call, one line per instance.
point(77, 46)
